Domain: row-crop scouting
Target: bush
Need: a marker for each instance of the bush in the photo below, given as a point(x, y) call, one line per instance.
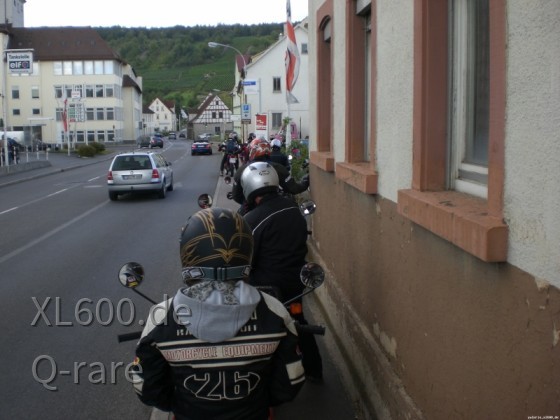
point(300, 154)
point(99, 147)
point(86, 150)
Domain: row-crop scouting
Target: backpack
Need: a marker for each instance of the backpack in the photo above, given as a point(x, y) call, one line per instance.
point(231, 146)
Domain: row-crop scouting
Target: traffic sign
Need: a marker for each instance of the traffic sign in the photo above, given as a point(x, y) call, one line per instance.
point(20, 62)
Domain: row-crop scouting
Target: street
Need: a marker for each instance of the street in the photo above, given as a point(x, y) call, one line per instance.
point(63, 243)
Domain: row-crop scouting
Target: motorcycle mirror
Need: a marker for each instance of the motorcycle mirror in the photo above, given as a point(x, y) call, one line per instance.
point(131, 275)
point(205, 201)
point(227, 180)
point(308, 207)
point(312, 275)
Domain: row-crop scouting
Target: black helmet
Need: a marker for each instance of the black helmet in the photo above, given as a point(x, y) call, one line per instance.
point(216, 244)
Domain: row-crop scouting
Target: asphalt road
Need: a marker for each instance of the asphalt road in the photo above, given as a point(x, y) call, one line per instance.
point(62, 244)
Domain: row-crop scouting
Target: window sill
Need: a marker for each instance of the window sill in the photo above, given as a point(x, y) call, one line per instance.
point(459, 218)
point(323, 160)
point(359, 175)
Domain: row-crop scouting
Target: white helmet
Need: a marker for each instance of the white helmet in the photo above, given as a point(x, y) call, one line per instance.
point(258, 178)
point(276, 143)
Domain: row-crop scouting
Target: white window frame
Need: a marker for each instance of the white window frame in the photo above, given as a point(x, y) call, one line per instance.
point(461, 112)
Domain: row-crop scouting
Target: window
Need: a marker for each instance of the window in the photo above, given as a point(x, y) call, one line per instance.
point(16, 112)
point(98, 67)
point(276, 84)
point(36, 111)
point(88, 67)
point(99, 114)
point(358, 168)
point(78, 67)
point(276, 120)
point(221, 114)
point(58, 92)
point(35, 92)
point(90, 114)
point(109, 91)
point(110, 113)
point(89, 91)
point(109, 67)
point(67, 68)
point(15, 92)
point(57, 68)
point(304, 48)
point(213, 115)
point(99, 91)
point(469, 94)
point(472, 223)
point(323, 156)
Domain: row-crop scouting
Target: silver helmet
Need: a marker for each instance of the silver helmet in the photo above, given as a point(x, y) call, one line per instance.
point(258, 178)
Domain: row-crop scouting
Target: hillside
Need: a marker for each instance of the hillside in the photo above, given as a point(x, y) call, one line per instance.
point(177, 64)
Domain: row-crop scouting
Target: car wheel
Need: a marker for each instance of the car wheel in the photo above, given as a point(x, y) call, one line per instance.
point(113, 196)
point(170, 188)
point(163, 191)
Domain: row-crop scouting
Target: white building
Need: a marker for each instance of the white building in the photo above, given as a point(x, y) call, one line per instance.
point(74, 70)
point(213, 117)
point(264, 87)
point(164, 117)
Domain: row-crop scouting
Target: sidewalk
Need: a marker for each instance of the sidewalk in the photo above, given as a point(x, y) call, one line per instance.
point(34, 165)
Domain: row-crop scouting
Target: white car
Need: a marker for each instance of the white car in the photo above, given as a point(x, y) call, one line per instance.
point(205, 136)
point(139, 172)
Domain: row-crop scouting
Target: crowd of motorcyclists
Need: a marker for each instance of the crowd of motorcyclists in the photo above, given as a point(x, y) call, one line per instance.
point(220, 348)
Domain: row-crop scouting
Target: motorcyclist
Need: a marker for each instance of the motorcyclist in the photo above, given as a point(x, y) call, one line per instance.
point(280, 235)
point(259, 150)
point(219, 348)
point(276, 155)
point(230, 147)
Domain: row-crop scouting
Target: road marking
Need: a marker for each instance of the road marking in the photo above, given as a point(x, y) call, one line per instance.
point(93, 179)
point(51, 233)
point(58, 192)
point(9, 210)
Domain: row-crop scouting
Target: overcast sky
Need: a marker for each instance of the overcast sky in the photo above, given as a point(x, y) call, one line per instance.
point(163, 13)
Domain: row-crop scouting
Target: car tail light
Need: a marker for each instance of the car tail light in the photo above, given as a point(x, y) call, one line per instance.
point(155, 175)
point(110, 177)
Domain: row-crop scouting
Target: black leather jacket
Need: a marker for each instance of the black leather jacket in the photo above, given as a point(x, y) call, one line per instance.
point(280, 235)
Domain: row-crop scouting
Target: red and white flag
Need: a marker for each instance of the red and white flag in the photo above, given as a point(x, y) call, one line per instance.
point(292, 56)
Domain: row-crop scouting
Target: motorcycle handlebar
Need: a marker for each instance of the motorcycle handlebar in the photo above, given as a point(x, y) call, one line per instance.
point(310, 329)
point(129, 336)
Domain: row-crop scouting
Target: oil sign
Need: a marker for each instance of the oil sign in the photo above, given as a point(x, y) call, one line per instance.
point(20, 62)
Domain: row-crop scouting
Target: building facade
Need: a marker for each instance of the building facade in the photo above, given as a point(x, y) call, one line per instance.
point(79, 90)
point(213, 117)
point(434, 165)
point(164, 117)
point(266, 93)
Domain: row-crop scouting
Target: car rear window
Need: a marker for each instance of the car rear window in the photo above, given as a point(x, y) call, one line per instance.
point(131, 163)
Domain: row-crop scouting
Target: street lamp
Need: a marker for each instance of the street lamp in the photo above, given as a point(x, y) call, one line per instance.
point(217, 44)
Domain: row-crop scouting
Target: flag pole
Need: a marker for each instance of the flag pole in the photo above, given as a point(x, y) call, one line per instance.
point(292, 62)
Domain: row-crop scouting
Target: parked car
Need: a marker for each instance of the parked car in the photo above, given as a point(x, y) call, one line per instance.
point(182, 135)
point(38, 145)
point(205, 136)
point(172, 136)
point(139, 172)
point(201, 147)
point(149, 141)
point(12, 143)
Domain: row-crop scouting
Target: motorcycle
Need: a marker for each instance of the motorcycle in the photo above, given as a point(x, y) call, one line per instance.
point(312, 276)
